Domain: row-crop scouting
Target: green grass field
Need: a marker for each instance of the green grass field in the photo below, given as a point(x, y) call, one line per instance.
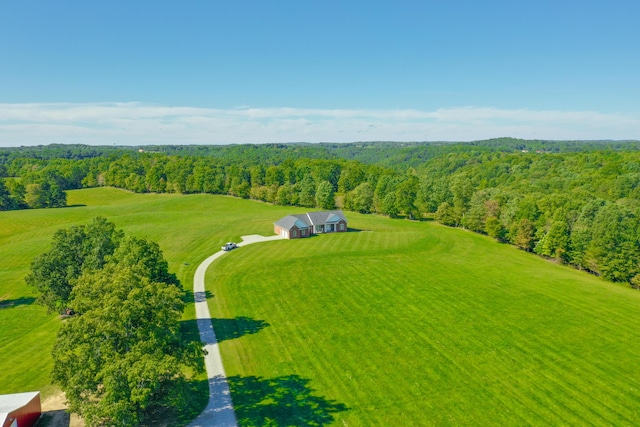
point(416, 324)
point(188, 230)
point(398, 323)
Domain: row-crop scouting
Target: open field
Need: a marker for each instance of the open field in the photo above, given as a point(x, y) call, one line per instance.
point(417, 324)
point(188, 230)
point(399, 323)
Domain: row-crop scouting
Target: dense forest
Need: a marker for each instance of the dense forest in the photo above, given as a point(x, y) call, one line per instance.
point(576, 202)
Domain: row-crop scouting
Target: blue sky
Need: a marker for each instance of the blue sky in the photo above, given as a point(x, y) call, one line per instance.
point(142, 72)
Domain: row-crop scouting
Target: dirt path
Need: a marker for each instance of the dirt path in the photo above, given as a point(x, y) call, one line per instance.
point(219, 410)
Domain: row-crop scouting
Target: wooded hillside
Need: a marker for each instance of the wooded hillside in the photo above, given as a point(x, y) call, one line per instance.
point(571, 201)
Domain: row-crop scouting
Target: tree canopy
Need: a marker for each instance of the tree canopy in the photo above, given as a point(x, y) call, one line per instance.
point(529, 193)
point(121, 354)
point(73, 250)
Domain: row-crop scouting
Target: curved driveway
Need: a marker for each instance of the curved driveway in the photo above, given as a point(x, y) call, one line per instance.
point(219, 410)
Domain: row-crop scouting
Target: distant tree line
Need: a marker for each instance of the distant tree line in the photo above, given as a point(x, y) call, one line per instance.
point(579, 208)
point(33, 193)
point(575, 202)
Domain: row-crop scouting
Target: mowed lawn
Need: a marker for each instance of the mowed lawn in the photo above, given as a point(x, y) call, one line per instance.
point(397, 323)
point(188, 229)
point(404, 323)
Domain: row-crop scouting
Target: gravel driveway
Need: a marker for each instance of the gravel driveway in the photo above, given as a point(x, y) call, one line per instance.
point(219, 409)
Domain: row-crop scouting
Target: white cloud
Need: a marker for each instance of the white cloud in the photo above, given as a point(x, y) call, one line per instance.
point(139, 123)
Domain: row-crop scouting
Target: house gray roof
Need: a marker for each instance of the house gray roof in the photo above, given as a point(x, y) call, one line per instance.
point(325, 217)
point(311, 218)
point(290, 220)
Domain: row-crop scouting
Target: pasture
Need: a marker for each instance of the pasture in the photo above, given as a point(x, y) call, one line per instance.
point(408, 323)
point(188, 229)
point(395, 323)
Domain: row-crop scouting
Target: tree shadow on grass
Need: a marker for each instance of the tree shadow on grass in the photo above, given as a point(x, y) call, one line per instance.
point(11, 303)
point(190, 297)
point(228, 329)
point(281, 401)
point(189, 331)
point(355, 230)
point(225, 329)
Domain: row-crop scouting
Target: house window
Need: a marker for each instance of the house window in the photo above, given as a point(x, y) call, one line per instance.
point(341, 227)
point(294, 233)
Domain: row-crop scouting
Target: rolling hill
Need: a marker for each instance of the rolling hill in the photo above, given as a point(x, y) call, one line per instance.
point(394, 323)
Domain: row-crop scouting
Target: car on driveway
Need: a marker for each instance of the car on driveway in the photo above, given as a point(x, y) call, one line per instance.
point(228, 246)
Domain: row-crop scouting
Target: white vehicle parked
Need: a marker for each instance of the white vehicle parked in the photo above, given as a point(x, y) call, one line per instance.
point(228, 246)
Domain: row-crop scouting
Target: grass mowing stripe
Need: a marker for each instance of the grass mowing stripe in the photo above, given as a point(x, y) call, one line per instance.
point(539, 347)
point(405, 323)
point(456, 315)
point(188, 228)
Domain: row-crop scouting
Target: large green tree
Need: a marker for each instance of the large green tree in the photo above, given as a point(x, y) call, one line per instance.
point(360, 199)
point(6, 202)
point(307, 192)
point(555, 242)
point(446, 215)
point(325, 197)
point(522, 234)
point(493, 227)
point(73, 250)
point(122, 354)
point(406, 193)
point(614, 248)
point(145, 258)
